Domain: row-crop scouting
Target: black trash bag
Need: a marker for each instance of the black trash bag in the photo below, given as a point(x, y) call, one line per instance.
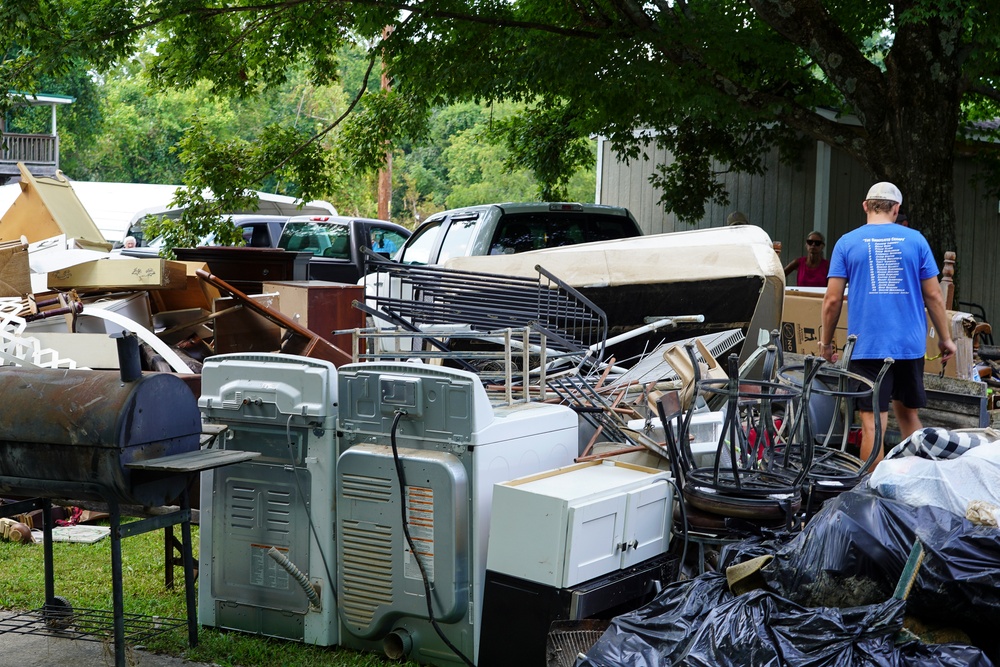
point(861, 535)
point(700, 623)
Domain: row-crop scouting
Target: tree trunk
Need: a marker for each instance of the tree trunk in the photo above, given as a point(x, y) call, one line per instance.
point(912, 139)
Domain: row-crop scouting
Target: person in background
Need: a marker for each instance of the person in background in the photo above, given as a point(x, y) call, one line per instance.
point(902, 218)
point(129, 242)
point(737, 218)
point(892, 277)
point(381, 244)
point(812, 267)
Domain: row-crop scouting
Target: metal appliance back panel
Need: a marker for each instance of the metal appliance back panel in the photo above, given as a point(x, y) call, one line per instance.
point(451, 414)
point(380, 581)
point(259, 507)
point(443, 405)
point(284, 407)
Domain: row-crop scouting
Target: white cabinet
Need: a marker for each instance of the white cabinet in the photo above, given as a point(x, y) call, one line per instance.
point(573, 524)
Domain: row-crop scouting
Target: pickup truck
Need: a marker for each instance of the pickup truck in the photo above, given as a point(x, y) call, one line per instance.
point(504, 229)
point(496, 229)
point(259, 231)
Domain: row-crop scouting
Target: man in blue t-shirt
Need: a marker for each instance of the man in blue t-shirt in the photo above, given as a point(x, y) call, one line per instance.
point(892, 277)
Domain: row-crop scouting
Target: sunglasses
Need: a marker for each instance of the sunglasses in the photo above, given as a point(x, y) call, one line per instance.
point(813, 242)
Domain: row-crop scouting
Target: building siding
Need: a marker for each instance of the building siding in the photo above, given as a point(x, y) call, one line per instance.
point(781, 201)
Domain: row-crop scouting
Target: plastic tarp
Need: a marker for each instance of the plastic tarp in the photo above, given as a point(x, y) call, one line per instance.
point(952, 483)
point(857, 535)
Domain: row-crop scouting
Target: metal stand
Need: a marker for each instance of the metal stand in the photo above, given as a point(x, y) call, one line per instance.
point(57, 618)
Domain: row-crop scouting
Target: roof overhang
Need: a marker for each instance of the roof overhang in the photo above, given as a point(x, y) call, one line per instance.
point(36, 99)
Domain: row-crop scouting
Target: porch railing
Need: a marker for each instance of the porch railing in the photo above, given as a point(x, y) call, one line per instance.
point(31, 149)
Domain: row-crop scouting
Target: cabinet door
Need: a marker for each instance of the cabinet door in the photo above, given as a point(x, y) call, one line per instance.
point(647, 523)
point(595, 538)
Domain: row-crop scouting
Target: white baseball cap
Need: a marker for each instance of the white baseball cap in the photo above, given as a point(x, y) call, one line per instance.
point(885, 190)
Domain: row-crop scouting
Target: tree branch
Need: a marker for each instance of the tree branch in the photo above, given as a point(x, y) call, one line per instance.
point(989, 92)
point(808, 25)
point(319, 135)
point(634, 13)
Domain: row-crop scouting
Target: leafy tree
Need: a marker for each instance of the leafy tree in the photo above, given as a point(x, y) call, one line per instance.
point(719, 79)
point(544, 140)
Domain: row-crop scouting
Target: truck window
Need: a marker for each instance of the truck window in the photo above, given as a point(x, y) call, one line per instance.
point(517, 232)
point(328, 239)
point(385, 241)
point(418, 248)
point(456, 240)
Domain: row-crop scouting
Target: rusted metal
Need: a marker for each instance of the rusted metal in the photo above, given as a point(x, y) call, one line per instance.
point(86, 426)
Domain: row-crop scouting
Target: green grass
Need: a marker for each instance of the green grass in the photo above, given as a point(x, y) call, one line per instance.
point(83, 577)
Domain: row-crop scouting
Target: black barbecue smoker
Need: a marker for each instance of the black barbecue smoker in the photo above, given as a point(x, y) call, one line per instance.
point(122, 438)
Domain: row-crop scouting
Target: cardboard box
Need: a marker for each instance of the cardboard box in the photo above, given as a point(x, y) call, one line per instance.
point(15, 279)
point(802, 329)
point(802, 323)
point(125, 273)
point(88, 350)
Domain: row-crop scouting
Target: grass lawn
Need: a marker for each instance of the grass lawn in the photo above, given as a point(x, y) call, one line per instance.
point(83, 577)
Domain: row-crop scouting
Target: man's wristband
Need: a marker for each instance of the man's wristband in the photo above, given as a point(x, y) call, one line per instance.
point(824, 345)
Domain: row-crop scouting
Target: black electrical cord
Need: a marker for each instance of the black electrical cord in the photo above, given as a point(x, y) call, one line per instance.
point(409, 540)
point(305, 506)
point(684, 525)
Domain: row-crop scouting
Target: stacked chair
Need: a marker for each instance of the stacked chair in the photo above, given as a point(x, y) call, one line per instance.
point(774, 463)
point(748, 489)
point(834, 392)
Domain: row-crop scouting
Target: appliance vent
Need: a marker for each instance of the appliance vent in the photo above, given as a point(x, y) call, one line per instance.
point(245, 511)
point(242, 507)
point(365, 487)
point(278, 513)
point(367, 571)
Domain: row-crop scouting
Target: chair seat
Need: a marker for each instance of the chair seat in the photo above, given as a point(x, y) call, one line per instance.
point(744, 507)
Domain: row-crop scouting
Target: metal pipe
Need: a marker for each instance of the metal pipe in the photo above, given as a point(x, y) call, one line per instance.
point(129, 366)
point(652, 326)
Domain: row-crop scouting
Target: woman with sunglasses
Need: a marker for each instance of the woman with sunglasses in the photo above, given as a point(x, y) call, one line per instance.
point(812, 268)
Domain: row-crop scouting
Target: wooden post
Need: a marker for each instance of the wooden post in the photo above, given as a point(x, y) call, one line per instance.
point(948, 280)
point(385, 173)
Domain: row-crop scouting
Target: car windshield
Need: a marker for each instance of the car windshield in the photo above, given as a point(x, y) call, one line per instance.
point(518, 232)
point(323, 239)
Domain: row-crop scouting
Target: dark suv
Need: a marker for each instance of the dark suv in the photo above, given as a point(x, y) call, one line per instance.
point(335, 242)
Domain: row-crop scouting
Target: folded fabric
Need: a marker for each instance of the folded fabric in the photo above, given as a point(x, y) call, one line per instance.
point(940, 443)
